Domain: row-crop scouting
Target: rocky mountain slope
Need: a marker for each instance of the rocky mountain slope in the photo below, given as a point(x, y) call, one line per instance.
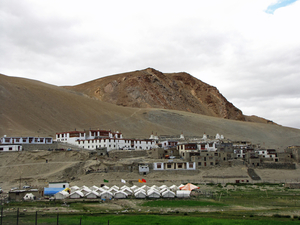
point(150, 88)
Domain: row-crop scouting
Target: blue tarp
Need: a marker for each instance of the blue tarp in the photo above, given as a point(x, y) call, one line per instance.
point(52, 191)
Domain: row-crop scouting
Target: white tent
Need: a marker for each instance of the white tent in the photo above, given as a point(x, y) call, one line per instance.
point(61, 195)
point(127, 191)
point(28, 196)
point(105, 187)
point(85, 190)
point(174, 187)
point(120, 194)
point(74, 188)
point(134, 187)
point(94, 188)
point(183, 194)
point(92, 194)
point(76, 194)
point(163, 190)
point(124, 186)
point(163, 186)
point(115, 187)
point(100, 190)
point(168, 194)
point(153, 194)
point(140, 194)
point(113, 190)
point(106, 195)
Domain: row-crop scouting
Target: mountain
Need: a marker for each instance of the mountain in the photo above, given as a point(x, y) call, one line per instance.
point(150, 88)
point(33, 108)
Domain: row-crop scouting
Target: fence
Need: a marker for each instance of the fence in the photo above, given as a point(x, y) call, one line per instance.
point(20, 218)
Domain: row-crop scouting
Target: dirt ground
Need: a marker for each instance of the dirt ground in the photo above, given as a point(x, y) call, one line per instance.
point(31, 168)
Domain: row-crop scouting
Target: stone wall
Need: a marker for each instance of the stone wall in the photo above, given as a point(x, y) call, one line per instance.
point(31, 147)
point(282, 166)
point(292, 185)
point(119, 154)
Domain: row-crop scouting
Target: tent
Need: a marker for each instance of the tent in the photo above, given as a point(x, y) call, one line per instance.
point(106, 195)
point(153, 194)
point(92, 194)
point(140, 194)
point(189, 187)
point(183, 194)
point(76, 194)
point(127, 191)
point(168, 194)
point(61, 195)
point(29, 196)
point(120, 194)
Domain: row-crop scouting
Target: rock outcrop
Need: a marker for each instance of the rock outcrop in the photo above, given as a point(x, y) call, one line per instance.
point(150, 88)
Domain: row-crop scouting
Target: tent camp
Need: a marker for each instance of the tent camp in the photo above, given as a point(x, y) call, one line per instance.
point(168, 194)
point(189, 187)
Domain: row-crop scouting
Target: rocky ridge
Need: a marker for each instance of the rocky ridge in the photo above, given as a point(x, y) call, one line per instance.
point(150, 88)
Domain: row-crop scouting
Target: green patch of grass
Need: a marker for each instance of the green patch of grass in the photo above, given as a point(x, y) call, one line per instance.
point(181, 203)
point(153, 220)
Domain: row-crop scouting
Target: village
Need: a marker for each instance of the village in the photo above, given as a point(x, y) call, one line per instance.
point(160, 153)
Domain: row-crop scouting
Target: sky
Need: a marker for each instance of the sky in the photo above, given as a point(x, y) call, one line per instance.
point(249, 50)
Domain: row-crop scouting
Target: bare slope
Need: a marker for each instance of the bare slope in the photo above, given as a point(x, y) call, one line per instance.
point(34, 108)
point(150, 88)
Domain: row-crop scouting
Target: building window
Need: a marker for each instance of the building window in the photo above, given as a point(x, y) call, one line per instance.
point(211, 163)
point(179, 165)
point(169, 166)
point(158, 165)
point(10, 148)
point(191, 165)
point(199, 163)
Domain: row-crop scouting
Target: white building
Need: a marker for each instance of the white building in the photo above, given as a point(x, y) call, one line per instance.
point(58, 185)
point(104, 139)
point(26, 140)
point(8, 148)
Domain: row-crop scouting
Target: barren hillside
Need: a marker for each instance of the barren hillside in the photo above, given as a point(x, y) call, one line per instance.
point(34, 108)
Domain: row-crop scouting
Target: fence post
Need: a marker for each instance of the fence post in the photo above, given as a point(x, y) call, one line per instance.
point(1, 214)
point(18, 216)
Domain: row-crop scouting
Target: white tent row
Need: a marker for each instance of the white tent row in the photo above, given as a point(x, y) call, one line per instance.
point(106, 192)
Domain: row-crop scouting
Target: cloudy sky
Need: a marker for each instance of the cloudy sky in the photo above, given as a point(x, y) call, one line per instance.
point(248, 49)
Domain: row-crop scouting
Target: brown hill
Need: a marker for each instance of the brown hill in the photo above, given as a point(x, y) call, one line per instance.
point(34, 108)
point(150, 88)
